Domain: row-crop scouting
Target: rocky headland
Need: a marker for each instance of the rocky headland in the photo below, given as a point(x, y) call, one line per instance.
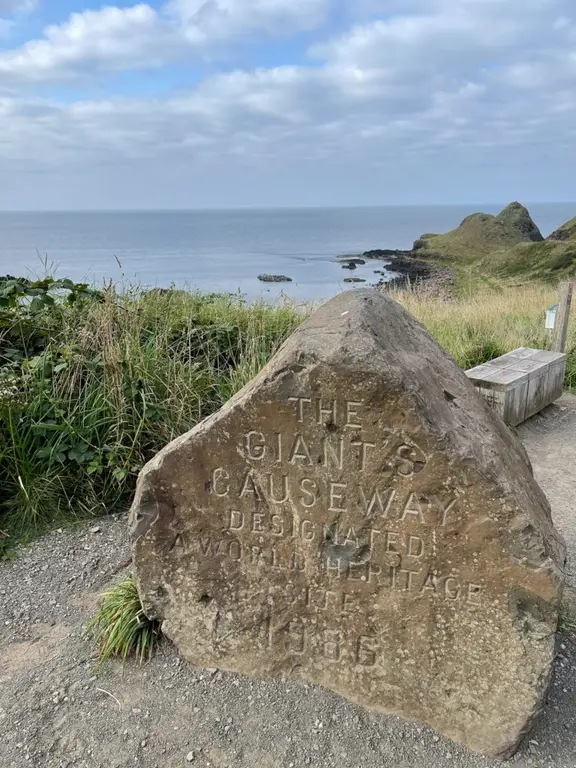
point(565, 232)
point(481, 233)
point(506, 245)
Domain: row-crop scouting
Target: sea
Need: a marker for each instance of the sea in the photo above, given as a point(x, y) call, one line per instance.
point(226, 250)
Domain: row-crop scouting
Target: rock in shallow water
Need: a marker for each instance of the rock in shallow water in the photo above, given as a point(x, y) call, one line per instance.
point(358, 517)
point(274, 278)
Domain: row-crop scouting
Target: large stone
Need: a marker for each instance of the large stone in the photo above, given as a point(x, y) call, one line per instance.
point(358, 517)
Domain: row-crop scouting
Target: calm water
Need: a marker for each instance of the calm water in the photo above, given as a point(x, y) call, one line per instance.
point(226, 250)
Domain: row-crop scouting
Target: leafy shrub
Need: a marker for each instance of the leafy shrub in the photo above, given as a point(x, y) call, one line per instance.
point(93, 384)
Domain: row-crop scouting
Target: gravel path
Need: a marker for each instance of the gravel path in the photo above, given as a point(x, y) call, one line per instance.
point(550, 439)
point(55, 711)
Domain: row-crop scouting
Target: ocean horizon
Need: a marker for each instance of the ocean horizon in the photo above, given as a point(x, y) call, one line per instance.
point(225, 250)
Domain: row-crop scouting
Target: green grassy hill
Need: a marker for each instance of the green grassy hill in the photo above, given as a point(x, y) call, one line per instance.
point(548, 261)
point(508, 245)
point(482, 233)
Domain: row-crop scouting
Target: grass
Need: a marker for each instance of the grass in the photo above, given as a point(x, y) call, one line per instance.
point(550, 260)
point(91, 390)
point(504, 247)
point(481, 325)
point(480, 234)
point(120, 627)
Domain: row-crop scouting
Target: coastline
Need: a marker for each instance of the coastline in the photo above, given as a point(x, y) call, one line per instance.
point(409, 271)
point(225, 251)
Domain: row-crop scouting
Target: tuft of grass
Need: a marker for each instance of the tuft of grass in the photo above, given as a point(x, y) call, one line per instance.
point(120, 627)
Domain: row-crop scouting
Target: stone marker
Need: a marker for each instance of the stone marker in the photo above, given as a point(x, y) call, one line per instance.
point(358, 517)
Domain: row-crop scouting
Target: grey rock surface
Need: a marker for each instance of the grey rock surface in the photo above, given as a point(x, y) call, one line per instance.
point(358, 517)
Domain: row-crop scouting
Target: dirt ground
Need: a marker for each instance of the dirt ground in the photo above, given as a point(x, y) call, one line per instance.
point(56, 711)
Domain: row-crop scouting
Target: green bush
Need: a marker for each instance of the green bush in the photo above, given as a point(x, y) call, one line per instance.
point(93, 384)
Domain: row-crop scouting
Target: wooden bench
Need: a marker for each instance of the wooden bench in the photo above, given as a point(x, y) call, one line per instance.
point(521, 383)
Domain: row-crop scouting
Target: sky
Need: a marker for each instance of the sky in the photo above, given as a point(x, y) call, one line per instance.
point(272, 103)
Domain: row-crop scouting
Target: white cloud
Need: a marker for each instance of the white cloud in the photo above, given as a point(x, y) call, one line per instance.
point(206, 21)
point(109, 39)
point(436, 78)
point(462, 32)
point(113, 38)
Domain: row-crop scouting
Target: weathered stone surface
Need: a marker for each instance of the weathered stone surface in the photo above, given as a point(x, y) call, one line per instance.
point(358, 517)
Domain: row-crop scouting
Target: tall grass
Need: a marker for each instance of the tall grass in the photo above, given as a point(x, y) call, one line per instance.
point(488, 323)
point(90, 391)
